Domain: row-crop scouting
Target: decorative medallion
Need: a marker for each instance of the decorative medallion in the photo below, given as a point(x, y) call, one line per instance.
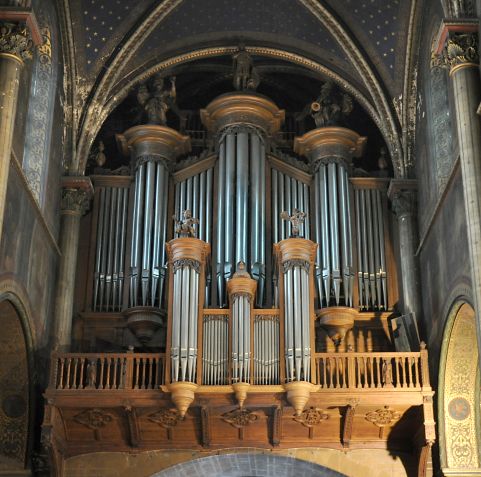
point(383, 417)
point(459, 408)
point(166, 418)
point(94, 418)
point(239, 418)
point(312, 417)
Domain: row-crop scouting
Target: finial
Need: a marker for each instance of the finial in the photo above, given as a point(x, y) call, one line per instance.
point(184, 227)
point(296, 220)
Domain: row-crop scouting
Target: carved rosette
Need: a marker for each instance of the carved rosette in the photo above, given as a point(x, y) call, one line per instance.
point(166, 418)
point(311, 417)
point(461, 49)
point(94, 418)
point(240, 418)
point(383, 417)
point(15, 40)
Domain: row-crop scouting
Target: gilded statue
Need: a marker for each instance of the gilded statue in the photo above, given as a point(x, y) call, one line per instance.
point(157, 101)
point(245, 73)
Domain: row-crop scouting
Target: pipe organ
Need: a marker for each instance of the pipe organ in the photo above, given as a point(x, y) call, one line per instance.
point(256, 325)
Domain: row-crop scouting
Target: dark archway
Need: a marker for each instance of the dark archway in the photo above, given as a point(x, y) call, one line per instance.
point(14, 390)
point(248, 465)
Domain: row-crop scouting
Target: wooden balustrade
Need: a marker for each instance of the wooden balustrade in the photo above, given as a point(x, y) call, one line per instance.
point(371, 370)
point(107, 371)
point(334, 371)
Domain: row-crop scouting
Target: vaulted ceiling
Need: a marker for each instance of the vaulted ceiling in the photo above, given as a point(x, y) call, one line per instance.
point(360, 43)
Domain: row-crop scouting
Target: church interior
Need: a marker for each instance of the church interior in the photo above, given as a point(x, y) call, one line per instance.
point(240, 238)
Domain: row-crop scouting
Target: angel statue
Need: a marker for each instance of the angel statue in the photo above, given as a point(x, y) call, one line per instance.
point(296, 219)
point(184, 227)
point(245, 73)
point(158, 101)
point(329, 108)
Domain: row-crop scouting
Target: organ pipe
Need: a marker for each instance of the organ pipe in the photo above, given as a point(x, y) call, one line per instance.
point(187, 258)
point(295, 258)
point(241, 289)
point(242, 123)
point(330, 151)
point(152, 148)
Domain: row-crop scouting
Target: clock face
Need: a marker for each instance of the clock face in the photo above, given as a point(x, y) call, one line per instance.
point(459, 408)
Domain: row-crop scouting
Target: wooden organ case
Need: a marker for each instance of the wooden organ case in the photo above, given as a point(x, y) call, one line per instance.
point(262, 322)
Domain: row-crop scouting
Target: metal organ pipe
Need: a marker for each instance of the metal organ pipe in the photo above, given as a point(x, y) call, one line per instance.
point(241, 288)
point(330, 151)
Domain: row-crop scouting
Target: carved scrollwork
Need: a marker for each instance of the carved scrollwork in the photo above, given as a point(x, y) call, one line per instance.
point(94, 418)
point(290, 264)
point(166, 418)
point(312, 417)
point(239, 418)
point(383, 417)
point(186, 262)
point(15, 40)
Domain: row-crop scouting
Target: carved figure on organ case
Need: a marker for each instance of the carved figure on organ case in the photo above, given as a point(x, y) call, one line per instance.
point(157, 101)
point(296, 219)
point(330, 107)
point(245, 73)
point(184, 227)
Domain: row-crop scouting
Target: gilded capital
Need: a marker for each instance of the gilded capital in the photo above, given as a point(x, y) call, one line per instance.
point(461, 49)
point(15, 40)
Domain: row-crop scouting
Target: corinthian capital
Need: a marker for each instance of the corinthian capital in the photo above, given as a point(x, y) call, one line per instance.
point(76, 195)
point(15, 39)
point(461, 48)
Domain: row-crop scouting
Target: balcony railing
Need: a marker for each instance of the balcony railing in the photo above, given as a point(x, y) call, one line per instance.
point(334, 371)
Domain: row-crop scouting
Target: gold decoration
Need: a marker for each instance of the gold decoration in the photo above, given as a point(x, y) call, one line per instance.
point(311, 417)
point(15, 40)
point(166, 418)
point(94, 418)
point(239, 418)
point(461, 49)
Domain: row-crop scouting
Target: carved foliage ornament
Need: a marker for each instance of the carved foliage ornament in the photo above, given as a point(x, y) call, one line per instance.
point(15, 40)
point(187, 262)
point(76, 200)
point(239, 418)
point(296, 262)
point(383, 417)
point(461, 48)
point(94, 418)
point(166, 418)
point(311, 417)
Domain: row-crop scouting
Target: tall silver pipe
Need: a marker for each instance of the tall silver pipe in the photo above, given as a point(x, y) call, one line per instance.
point(282, 206)
point(229, 207)
point(377, 258)
point(326, 261)
point(105, 249)
point(163, 231)
point(116, 242)
point(305, 322)
point(242, 204)
point(275, 208)
point(297, 321)
point(202, 205)
point(98, 247)
point(360, 267)
point(288, 285)
point(158, 219)
point(370, 244)
point(382, 254)
point(365, 271)
point(123, 238)
point(334, 230)
point(176, 324)
point(147, 227)
point(207, 228)
point(318, 239)
point(307, 209)
point(111, 249)
point(220, 236)
point(345, 236)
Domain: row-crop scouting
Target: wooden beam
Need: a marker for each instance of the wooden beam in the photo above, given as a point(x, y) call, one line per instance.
point(134, 431)
point(205, 426)
point(276, 421)
point(347, 424)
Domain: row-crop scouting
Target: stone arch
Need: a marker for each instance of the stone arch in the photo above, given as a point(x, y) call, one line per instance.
point(458, 402)
point(248, 465)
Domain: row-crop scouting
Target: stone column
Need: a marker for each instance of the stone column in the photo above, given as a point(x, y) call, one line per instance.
point(76, 195)
point(15, 47)
point(457, 50)
point(403, 198)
